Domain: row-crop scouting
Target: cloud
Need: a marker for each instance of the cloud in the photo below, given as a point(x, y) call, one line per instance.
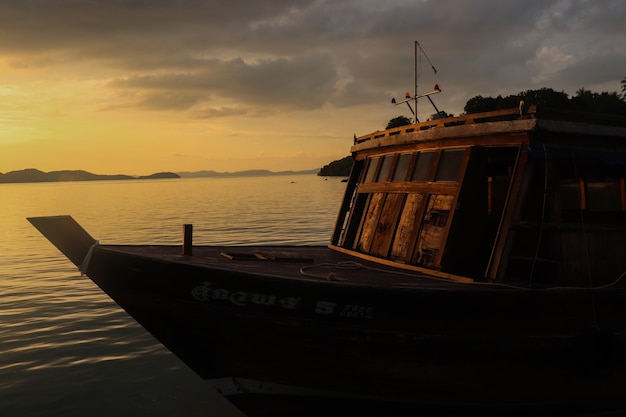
point(548, 61)
point(302, 82)
point(217, 57)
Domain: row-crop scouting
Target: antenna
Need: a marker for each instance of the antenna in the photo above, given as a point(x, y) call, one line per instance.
point(416, 70)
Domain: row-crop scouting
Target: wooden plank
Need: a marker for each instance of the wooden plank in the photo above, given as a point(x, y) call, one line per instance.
point(370, 221)
point(387, 224)
point(407, 267)
point(483, 133)
point(401, 248)
point(464, 120)
point(410, 187)
point(510, 211)
point(430, 239)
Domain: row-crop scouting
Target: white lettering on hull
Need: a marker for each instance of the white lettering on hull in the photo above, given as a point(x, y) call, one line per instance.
point(206, 292)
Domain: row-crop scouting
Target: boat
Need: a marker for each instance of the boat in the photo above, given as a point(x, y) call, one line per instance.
point(477, 265)
point(477, 262)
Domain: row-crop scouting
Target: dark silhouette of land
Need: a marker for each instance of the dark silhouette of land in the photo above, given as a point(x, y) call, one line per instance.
point(340, 168)
point(247, 173)
point(35, 175)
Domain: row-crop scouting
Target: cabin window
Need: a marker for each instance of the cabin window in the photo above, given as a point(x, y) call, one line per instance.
point(372, 167)
point(423, 166)
point(450, 165)
point(402, 167)
point(385, 168)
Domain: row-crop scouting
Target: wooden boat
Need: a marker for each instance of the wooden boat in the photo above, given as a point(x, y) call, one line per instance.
point(477, 263)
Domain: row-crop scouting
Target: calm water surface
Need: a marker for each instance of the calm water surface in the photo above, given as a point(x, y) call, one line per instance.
point(66, 348)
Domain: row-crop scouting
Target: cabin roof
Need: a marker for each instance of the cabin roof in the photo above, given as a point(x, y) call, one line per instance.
point(497, 127)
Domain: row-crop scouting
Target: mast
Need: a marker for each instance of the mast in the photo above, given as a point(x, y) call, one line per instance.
point(416, 69)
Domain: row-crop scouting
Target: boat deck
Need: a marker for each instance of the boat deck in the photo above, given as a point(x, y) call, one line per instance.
point(292, 262)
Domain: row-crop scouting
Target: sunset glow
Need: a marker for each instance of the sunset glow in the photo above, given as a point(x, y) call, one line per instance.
point(140, 87)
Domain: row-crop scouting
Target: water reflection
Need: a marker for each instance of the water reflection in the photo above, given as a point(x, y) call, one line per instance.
point(67, 349)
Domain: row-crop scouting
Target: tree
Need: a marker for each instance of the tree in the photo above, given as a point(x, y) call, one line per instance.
point(479, 104)
point(583, 101)
point(544, 97)
point(398, 121)
point(340, 168)
point(604, 103)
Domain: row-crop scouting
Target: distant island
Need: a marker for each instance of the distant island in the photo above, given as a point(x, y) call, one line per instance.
point(247, 173)
point(35, 175)
point(340, 168)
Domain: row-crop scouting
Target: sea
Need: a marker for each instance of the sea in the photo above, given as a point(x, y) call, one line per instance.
point(66, 349)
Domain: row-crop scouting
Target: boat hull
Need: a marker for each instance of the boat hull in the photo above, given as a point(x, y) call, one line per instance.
point(313, 329)
point(460, 347)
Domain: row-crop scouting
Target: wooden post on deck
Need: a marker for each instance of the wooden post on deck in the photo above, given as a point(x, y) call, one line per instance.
point(187, 239)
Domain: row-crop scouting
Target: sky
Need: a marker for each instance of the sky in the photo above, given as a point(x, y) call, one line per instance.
point(143, 86)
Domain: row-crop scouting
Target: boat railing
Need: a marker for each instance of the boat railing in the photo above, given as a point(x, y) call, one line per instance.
point(532, 112)
point(466, 119)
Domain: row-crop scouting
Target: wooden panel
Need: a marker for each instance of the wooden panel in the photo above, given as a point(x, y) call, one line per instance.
point(370, 221)
point(386, 227)
point(431, 236)
point(410, 187)
point(408, 267)
point(402, 243)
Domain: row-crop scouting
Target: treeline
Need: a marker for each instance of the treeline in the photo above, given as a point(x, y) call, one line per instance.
point(583, 101)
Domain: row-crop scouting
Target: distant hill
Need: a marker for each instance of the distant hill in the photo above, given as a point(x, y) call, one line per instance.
point(248, 173)
point(159, 175)
point(35, 175)
point(340, 168)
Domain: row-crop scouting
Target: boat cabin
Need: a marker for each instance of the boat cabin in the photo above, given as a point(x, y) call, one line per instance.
point(537, 199)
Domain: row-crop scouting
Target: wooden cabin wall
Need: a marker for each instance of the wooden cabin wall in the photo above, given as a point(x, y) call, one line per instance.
point(502, 212)
point(406, 201)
